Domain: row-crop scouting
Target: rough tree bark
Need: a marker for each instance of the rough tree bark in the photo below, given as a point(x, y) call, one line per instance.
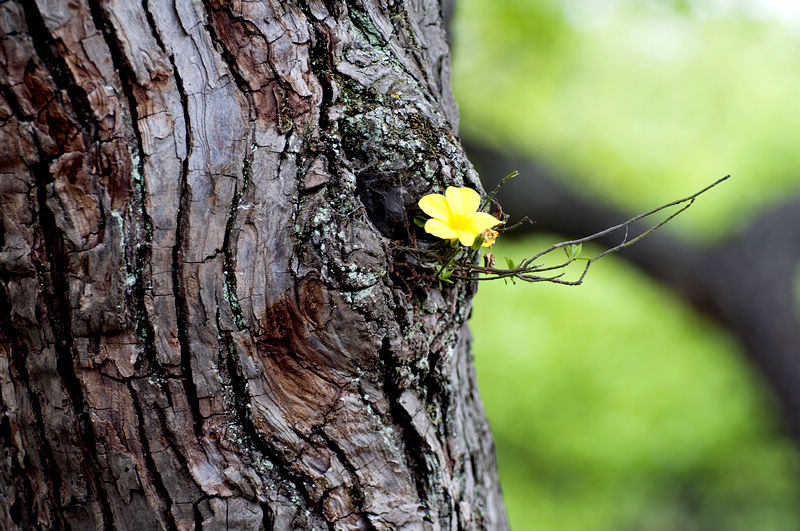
point(203, 319)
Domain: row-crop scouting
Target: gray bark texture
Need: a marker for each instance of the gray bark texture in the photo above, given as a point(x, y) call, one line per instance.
point(205, 321)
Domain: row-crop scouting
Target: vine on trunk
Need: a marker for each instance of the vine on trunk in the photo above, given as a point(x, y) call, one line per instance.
point(457, 218)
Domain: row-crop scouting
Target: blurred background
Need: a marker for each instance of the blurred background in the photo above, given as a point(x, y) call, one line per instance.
point(664, 393)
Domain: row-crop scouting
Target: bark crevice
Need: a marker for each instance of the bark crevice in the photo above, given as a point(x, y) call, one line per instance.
point(413, 443)
point(152, 469)
point(182, 226)
point(229, 261)
point(47, 50)
point(18, 352)
point(60, 319)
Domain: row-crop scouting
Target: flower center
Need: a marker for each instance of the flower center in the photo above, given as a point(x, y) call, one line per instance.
point(459, 222)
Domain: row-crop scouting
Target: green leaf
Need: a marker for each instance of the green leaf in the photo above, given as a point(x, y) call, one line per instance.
point(444, 276)
point(572, 251)
point(510, 263)
point(419, 221)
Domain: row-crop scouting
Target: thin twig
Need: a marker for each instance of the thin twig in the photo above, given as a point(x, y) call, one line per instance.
point(497, 189)
point(634, 219)
point(517, 224)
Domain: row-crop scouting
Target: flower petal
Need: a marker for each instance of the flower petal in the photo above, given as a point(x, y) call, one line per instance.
point(440, 229)
point(462, 201)
point(467, 237)
point(480, 221)
point(435, 205)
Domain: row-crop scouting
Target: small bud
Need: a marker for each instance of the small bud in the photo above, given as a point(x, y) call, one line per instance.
point(476, 244)
point(489, 237)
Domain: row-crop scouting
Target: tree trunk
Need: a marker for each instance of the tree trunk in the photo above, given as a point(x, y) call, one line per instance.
point(205, 319)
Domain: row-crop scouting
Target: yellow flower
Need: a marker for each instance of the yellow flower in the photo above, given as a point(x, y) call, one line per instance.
point(454, 215)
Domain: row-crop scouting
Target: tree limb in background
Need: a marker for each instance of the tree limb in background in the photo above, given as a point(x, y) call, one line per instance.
point(745, 282)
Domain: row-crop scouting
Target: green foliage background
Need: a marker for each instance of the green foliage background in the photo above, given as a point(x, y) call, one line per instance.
point(614, 405)
point(652, 103)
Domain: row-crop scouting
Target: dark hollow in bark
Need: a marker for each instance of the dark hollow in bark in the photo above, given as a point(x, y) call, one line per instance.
point(203, 320)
